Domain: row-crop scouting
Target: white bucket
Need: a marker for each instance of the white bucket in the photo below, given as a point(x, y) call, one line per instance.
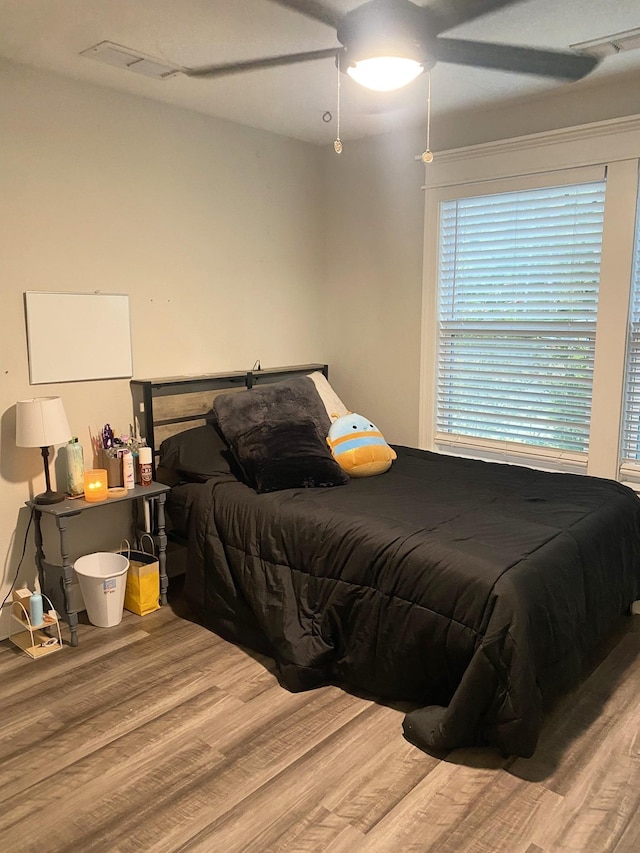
point(103, 581)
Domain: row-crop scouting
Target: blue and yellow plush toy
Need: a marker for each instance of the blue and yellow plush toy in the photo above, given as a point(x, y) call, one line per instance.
point(358, 446)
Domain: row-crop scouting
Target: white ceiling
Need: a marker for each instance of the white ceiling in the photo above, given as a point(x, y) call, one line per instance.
point(50, 34)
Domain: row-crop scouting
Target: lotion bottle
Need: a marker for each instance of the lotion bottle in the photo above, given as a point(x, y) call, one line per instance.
point(75, 467)
point(36, 614)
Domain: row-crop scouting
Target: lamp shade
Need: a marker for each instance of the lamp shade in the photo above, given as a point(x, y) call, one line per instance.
point(41, 422)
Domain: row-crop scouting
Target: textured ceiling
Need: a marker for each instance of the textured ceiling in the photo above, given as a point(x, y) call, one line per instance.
point(50, 34)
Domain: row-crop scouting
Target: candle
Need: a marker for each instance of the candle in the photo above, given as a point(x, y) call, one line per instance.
point(95, 485)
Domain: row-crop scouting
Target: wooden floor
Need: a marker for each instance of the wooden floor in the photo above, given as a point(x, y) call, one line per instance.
point(156, 735)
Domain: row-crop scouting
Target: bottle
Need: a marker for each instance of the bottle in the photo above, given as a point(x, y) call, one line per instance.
point(75, 467)
point(146, 467)
point(128, 475)
point(36, 614)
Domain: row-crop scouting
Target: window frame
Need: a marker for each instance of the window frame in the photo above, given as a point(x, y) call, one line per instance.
point(630, 470)
point(613, 305)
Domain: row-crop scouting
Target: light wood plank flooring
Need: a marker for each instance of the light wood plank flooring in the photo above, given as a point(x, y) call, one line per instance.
point(156, 735)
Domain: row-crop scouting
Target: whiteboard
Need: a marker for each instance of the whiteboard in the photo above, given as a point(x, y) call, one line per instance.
point(77, 336)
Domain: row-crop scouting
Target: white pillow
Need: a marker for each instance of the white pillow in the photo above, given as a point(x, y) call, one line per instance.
point(332, 403)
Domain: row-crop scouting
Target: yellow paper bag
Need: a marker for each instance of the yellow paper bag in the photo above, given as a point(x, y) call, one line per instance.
point(142, 593)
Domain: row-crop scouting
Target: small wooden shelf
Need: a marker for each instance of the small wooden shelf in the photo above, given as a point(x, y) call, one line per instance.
point(30, 638)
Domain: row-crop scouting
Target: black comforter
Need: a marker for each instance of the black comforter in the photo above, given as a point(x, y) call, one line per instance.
point(474, 590)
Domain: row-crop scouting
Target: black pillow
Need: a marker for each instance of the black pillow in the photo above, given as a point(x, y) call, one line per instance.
point(195, 454)
point(287, 456)
point(278, 435)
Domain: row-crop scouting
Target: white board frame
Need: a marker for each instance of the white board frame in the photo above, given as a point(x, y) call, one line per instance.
point(74, 337)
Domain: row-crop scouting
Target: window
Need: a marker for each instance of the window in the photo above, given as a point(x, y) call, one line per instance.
point(530, 349)
point(630, 444)
point(518, 276)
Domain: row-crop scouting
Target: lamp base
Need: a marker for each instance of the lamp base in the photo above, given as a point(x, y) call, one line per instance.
point(50, 497)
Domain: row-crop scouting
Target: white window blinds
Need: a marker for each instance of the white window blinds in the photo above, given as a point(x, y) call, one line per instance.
point(630, 449)
point(517, 303)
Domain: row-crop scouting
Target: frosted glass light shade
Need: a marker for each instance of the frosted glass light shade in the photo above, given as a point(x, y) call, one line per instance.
point(385, 73)
point(41, 422)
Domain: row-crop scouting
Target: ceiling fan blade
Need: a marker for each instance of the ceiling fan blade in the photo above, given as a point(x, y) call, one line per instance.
point(256, 64)
point(312, 9)
point(521, 60)
point(445, 14)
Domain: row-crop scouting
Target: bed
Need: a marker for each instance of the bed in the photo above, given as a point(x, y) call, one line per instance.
point(476, 592)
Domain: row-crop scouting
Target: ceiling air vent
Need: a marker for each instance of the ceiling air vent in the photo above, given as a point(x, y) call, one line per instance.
point(124, 57)
point(610, 45)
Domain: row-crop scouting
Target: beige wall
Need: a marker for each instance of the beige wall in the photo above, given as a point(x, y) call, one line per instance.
point(375, 219)
point(212, 229)
point(374, 279)
point(568, 105)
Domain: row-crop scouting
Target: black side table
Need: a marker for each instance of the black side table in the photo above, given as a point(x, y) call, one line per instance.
point(155, 493)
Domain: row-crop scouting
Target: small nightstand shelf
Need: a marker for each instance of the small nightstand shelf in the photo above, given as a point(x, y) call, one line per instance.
point(56, 580)
point(30, 638)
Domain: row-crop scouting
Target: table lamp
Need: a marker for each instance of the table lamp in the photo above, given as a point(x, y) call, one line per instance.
point(42, 422)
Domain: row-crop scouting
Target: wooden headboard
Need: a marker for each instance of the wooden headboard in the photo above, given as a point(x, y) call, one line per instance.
point(164, 407)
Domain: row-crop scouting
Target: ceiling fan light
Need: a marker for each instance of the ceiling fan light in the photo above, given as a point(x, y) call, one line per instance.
point(385, 73)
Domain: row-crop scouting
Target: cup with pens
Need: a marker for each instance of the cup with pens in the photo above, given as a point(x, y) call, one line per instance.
point(112, 461)
point(112, 449)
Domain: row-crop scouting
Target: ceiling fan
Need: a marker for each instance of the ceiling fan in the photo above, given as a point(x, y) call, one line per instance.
point(405, 38)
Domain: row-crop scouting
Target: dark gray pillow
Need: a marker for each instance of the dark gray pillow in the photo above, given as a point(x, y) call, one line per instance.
point(278, 402)
point(287, 456)
point(278, 435)
point(195, 454)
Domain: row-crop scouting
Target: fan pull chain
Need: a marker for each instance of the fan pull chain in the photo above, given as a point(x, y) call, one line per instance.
point(427, 156)
point(337, 145)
